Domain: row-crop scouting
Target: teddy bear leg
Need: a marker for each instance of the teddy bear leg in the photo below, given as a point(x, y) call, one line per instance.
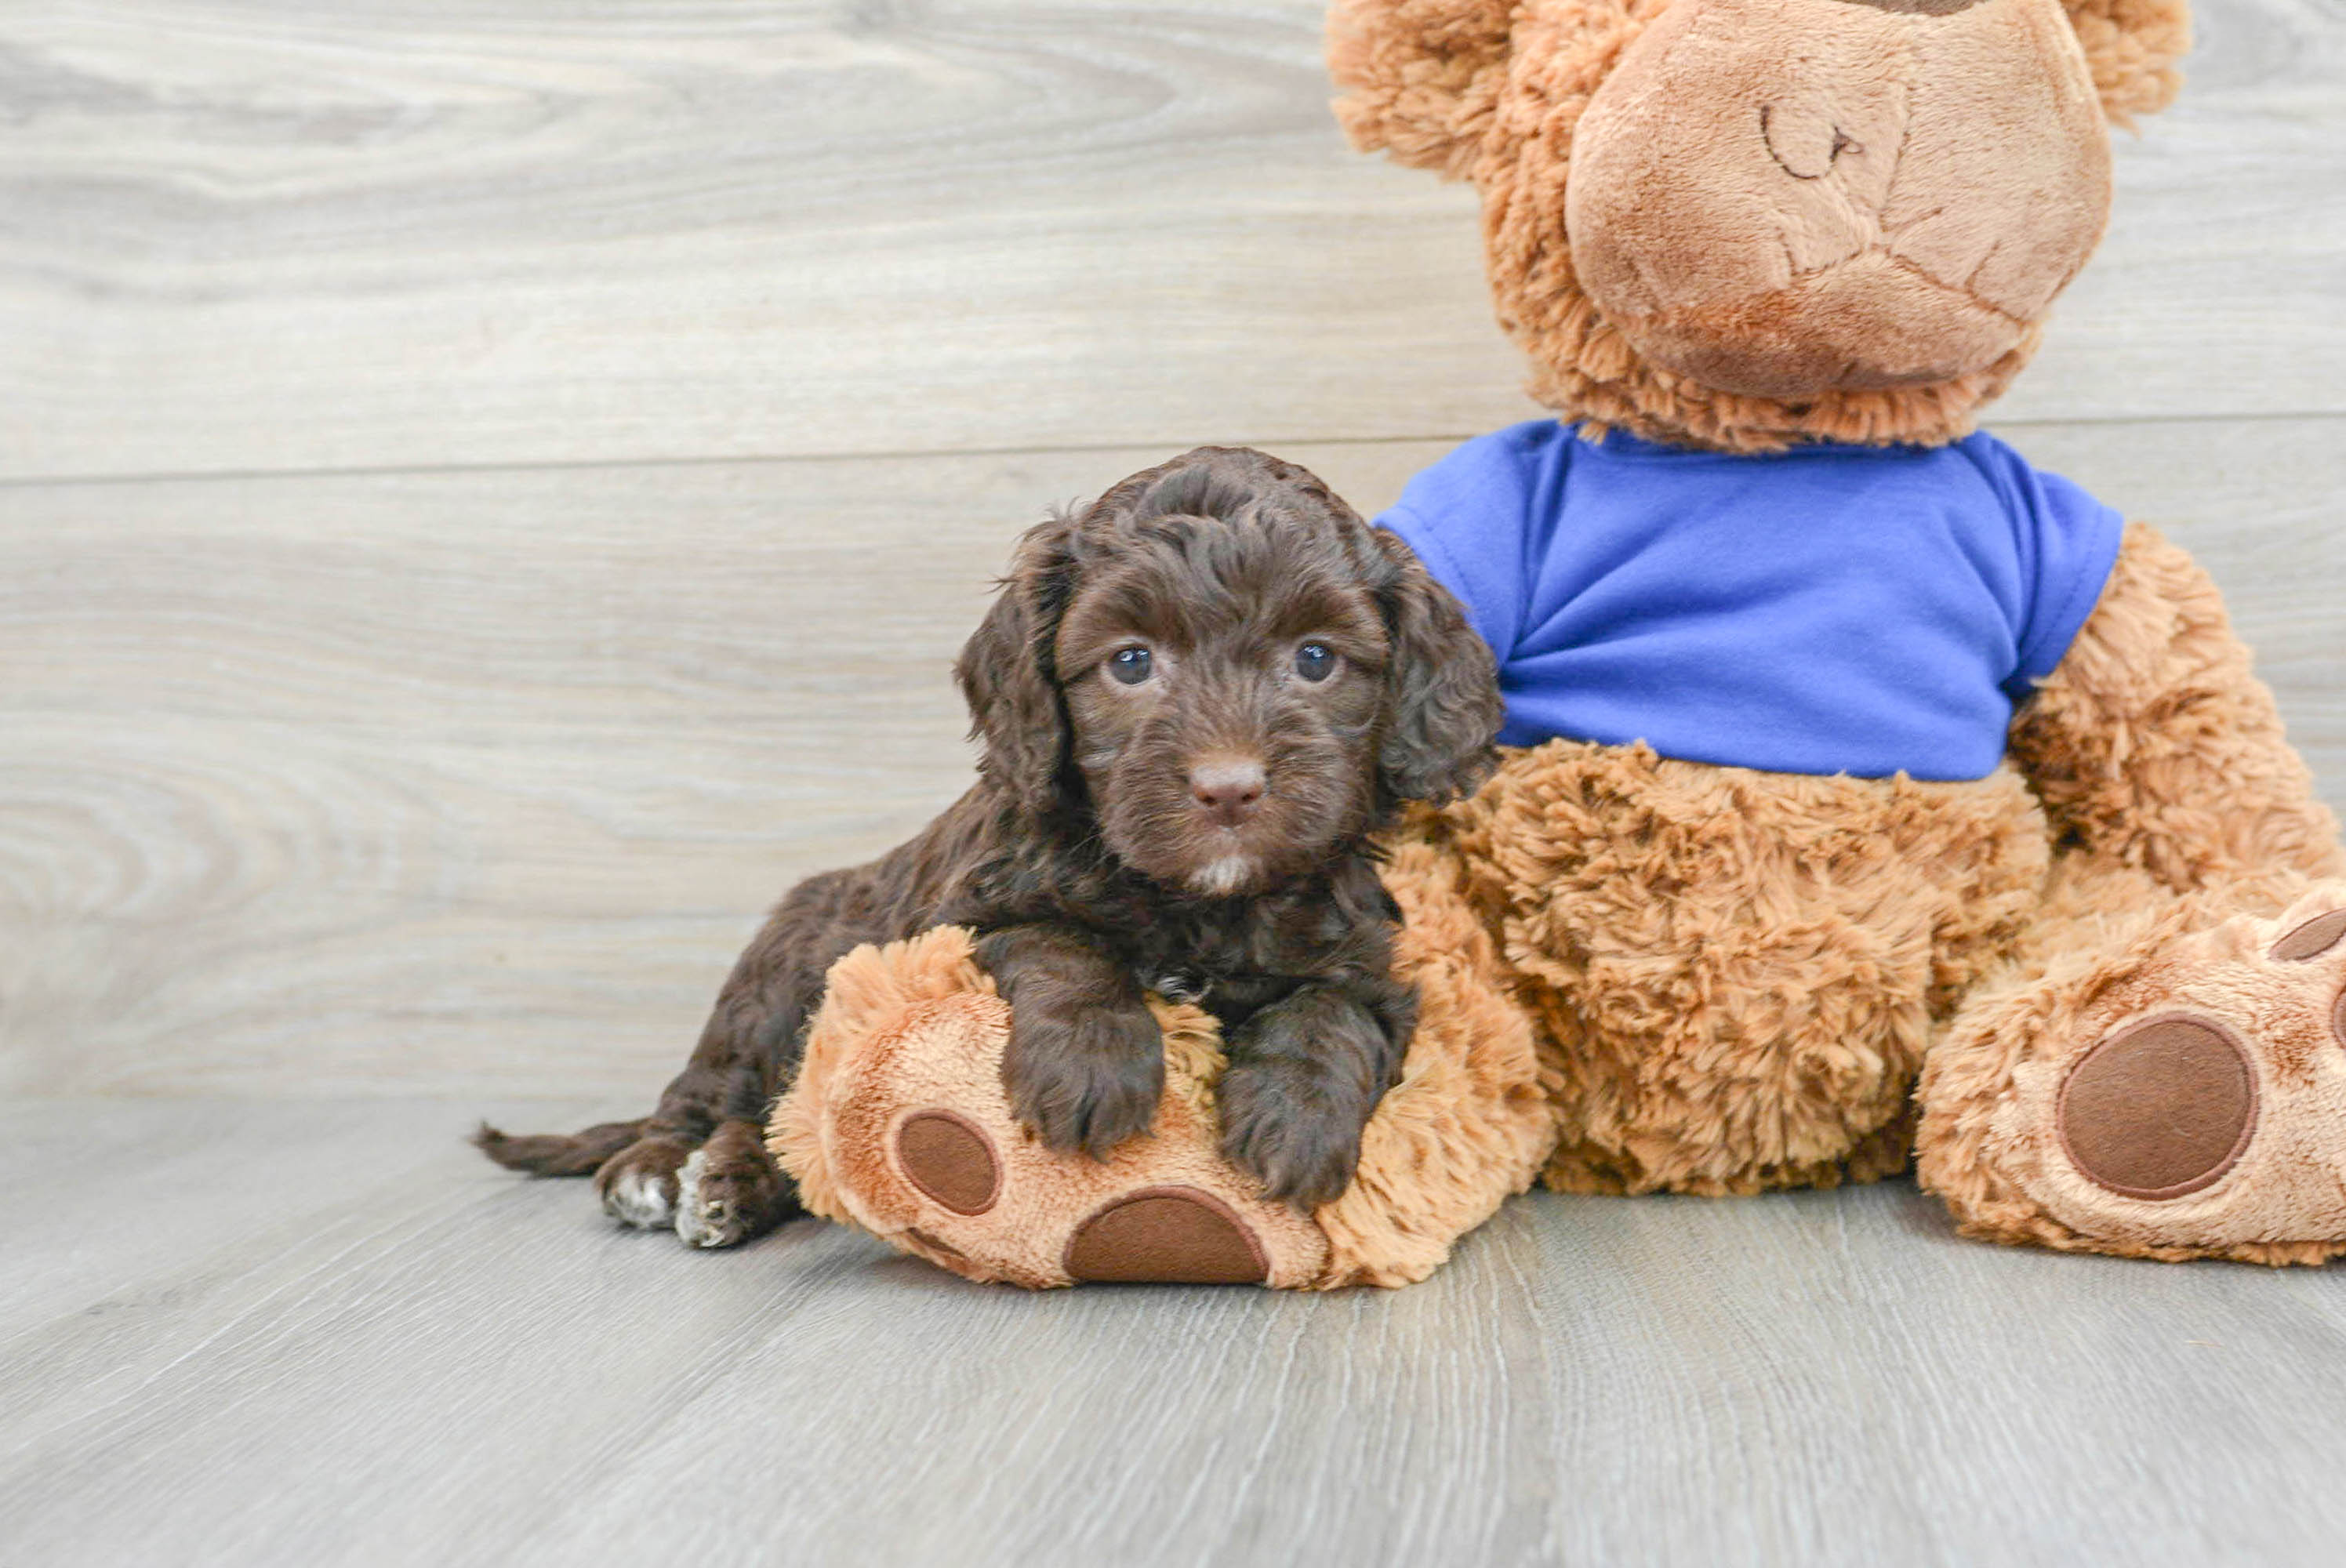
point(899, 1124)
point(2162, 1074)
point(1737, 974)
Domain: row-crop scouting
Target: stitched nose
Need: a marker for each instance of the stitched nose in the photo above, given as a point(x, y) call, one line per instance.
point(1229, 788)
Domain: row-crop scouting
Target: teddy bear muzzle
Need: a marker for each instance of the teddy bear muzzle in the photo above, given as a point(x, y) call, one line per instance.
point(1786, 198)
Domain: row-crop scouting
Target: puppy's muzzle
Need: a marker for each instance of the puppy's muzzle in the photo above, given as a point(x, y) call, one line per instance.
point(1228, 788)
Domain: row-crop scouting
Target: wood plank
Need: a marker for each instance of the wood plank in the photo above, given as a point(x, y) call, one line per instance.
point(132, 1190)
point(248, 235)
point(475, 782)
point(427, 1361)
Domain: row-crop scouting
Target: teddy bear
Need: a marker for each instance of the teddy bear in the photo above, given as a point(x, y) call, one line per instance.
point(1870, 799)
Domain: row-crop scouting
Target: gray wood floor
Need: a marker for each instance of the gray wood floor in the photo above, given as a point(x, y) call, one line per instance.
point(487, 496)
point(360, 1350)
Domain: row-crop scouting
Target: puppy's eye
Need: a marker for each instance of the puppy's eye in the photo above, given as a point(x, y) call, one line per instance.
point(1315, 661)
point(1130, 666)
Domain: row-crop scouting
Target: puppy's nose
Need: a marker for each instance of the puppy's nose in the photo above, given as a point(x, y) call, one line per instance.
point(1228, 787)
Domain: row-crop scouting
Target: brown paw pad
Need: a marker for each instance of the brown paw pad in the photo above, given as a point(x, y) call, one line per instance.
point(2312, 939)
point(947, 1158)
point(2160, 1109)
point(1166, 1235)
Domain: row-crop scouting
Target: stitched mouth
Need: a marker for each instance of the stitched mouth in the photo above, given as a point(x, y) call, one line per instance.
point(1834, 327)
point(1790, 162)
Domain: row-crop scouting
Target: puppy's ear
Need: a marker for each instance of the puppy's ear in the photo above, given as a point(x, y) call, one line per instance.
point(1007, 676)
point(1442, 704)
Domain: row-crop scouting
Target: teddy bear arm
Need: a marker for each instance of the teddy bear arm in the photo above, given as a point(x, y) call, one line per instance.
point(2154, 744)
point(1420, 78)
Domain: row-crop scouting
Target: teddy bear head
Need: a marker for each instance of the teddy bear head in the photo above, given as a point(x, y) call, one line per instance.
point(1745, 223)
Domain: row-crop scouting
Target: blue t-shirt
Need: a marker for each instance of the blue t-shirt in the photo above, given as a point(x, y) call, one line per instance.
point(1835, 609)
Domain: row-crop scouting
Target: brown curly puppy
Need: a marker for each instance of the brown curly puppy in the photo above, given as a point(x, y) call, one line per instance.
point(1199, 696)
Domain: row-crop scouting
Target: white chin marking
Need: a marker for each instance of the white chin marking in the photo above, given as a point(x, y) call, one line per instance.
point(1221, 878)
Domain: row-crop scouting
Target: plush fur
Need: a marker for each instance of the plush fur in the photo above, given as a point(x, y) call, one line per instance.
point(1739, 972)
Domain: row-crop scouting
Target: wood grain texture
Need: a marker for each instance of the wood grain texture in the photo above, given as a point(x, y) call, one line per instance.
point(475, 782)
point(412, 1358)
point(252, 235)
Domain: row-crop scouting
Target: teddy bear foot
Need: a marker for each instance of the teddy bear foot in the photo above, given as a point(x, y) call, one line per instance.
point(1165, 1233)
point(1173, 1233)
point(899, 1124)
point(2195, 1106)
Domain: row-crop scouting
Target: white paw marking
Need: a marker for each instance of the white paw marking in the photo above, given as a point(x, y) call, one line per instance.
point(695, 1228)
point(635, 1199)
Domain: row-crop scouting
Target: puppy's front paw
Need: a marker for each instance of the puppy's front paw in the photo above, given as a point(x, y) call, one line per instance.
point(1084, 1077)
point(729, 1191)
point(1282, 1133)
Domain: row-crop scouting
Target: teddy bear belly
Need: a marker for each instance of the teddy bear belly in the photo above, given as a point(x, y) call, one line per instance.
point(1736, 973)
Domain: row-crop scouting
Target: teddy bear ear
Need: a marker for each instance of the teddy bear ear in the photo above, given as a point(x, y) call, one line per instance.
point(2131, 47)
point(1421, 77)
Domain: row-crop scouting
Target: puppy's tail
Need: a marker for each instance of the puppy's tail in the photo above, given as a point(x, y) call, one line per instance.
point(554, 1154)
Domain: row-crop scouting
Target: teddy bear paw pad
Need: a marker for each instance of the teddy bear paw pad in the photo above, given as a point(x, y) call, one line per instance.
point(1172, 1235)
point(2159, 1109)
point(2323, 936)
point(2202, 1109)
point(950, 1158)
point(2312, 939)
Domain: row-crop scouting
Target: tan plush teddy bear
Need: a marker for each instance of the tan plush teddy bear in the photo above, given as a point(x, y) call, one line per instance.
point(1869, 796)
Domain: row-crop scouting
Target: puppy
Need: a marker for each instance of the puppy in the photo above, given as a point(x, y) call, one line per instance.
point(1198, 698)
